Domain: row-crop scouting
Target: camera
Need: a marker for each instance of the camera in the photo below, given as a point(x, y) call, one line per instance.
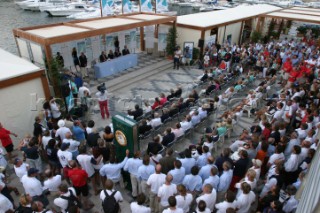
point(102, 88)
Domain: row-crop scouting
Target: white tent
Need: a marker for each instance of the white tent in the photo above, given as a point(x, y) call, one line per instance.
point(23, 88)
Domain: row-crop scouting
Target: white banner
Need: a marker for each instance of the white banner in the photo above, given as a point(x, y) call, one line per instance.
point(133, 40)
point(149, 36)
point(122, 39)
point(162, 37)
point(210, 40)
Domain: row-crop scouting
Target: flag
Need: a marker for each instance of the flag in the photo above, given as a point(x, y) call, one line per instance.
point(161, 5)
point(127, 6)
point(107, 7)
point(145, 6)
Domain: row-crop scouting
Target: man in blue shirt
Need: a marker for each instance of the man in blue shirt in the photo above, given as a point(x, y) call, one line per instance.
point(78, 132)
point(132, 165)
point(177, 173)
point(193, 181)
point(188, 162)
point(205, 170)
point(144, 172)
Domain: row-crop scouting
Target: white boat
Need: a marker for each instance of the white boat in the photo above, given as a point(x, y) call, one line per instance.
point(69, 9)
point(86, 15)
point(212, 8)
point(42, 6)
point(24, 4)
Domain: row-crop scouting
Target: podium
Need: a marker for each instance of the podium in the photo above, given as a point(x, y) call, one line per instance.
point(126, 135)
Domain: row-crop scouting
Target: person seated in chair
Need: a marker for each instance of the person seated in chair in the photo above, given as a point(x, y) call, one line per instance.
point(136, 113)
point(117, 53)
point(178, 92)
point(168, 137)
point(103, 57)
point(111, 55)
point(144, 127)
point(125, 50)
point(156, 121)
point(155, 146)
point(171, 96)
point(165, 115)
point(174, 110)
point(181, 104)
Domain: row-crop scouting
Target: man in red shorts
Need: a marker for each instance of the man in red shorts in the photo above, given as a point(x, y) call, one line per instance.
point(6, 140)
point(79, 179)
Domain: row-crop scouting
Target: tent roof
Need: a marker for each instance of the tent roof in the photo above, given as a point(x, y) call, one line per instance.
point(295, 17)
point(221, 17)
point(14, 66)
point(78, 29)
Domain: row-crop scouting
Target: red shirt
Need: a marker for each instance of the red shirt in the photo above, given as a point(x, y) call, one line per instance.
point(266, 133)
point(155, 105)
point(163, 101)
point(78, 177)
point(5, 137)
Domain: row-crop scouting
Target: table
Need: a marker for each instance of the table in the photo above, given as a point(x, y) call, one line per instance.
point(116, 65)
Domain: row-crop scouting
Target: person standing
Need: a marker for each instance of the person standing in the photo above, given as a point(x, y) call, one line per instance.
point(172, 206)
point(75, 58)
point(110, 192)
point(209, 196)
point(176, 58)
point(73, 148)
point(83, 64)
point(79, 179)
point(132, 167)
point(60, 60)
point(144, 172)
point(165, 191)
point(102, 96)
point(138, 207)
point(6, 140)
point(65, 193)
point(154, 182)
point(55, 109)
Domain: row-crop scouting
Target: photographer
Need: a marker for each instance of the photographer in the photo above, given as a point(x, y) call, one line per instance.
point(103, 101)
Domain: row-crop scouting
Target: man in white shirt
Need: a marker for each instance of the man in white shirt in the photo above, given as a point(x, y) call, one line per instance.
point(209, 196)
point(165, 191)
point(66, 192)
point(5, 204)
point(45, 138)
point(33, 187)
point(85, 162)
point(137, 207)
point(176, 59)
point(73, 148)
point(172, 206)
point(64, 155)
point(62, 131)
point(54, 109)
point(53, 182)
point(156, 121)
point(293, 141)
point(110, 191)
point(20, 168)
point(245, 200)
point(186, 123)
point(154, 182)
point(103, 101)
point(277, 117)
point(228, 203)
point(132, 165)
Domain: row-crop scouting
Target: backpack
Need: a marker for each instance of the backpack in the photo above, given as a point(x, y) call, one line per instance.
point(72, 201)
point(22, 209)
point(109, 204)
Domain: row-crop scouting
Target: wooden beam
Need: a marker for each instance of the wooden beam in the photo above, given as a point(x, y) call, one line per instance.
point(28, 36)
point(241, 33)
point(292, 19)
point(303, 13)
point(20, 79)
point(142, 39)
point(77, 26)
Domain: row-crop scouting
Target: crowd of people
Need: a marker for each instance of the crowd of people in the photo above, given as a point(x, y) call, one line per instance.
point(259, 172)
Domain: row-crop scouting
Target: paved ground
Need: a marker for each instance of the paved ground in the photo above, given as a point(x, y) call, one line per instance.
point(146, 81)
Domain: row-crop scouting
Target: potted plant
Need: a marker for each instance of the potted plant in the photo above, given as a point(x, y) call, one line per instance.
point(256, 36)
point(171, 41)
point(302, 30)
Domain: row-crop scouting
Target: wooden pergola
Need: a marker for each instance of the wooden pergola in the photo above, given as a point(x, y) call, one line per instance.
point(302, 14)
point(47, 35)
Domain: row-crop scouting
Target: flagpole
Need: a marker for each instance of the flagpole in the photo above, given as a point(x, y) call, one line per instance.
point(122, 6)
point(139, 6)
point(155, 7)
point(100, 8)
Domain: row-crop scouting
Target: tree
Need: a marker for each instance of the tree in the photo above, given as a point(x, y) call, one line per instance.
point(171, 40)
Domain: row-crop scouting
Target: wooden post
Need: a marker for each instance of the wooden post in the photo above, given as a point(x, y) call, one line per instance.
point(241, 33)
point(202, 38)
point(142, 39)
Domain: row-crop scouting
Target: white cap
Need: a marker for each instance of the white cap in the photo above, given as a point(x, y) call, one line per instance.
point(61, 123)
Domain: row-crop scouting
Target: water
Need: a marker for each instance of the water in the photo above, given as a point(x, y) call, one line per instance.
point(12, 17)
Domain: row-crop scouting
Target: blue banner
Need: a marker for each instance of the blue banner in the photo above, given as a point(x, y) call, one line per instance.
point(127, 6)
point(145, 5)
point(162, 6)
point(107, 7)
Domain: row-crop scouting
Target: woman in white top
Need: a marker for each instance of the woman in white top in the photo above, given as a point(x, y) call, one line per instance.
point(55, 109)
point(184, 199)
